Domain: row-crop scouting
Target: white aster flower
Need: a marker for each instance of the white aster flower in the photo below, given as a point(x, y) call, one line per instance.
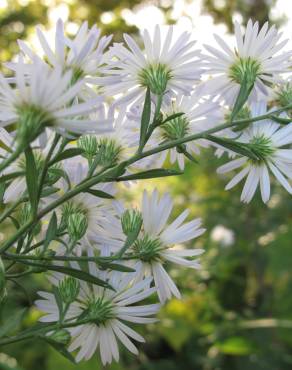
point(83, 54)
point(157, 243)
point(106, 312)
point(44, 98)
point(269, 140)
point(256, 54)
point(164, 66)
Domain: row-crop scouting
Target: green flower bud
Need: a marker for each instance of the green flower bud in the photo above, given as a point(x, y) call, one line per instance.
point(69, 289)
point(61, 336)
point(108, 152)
point(89, 144)
point(77, 225)
point(131, 220)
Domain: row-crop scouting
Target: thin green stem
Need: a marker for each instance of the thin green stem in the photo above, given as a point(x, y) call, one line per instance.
point(115, 171)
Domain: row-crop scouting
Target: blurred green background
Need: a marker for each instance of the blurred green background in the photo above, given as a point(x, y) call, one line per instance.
point(236, 313)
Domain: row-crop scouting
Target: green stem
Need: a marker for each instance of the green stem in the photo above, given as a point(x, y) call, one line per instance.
point(114, 172)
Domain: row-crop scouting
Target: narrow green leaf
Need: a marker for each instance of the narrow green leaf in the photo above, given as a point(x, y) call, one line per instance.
point(58, 301)
point(236, 147)
point(132, 237)
point(51, 231)
point(100, 194)
point(12, 323)
point(282, 120)
point(58, 172)
point(145, 120)
point(172, 116)
point(78, 274)
point(150, 174)
point(244, 92)
point(68, 153)
point(117, 267)
point(49, 191)
point(11, 176)
point(31, 179)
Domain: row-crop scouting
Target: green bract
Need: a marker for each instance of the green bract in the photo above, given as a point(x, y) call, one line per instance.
point(156, 77)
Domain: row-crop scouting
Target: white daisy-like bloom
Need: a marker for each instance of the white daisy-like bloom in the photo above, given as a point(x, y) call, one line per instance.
point(44, 98)
point(83, 54)
point(106, 311)
point(269, 140)
point(41, 147)
point(256, 54)
point(164, 65)
point(158, 242)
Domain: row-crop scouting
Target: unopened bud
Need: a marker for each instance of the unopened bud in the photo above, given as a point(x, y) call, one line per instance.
point(131, 220)
point(89, 144)
point(77, 225)
point(108, 152)
point(69, 289)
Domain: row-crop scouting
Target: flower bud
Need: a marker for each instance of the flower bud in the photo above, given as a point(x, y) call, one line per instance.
point(61, 336)
point(69, 289)
point(89, 144)
point(108, 152)
point(131, 220)
point(77, 225)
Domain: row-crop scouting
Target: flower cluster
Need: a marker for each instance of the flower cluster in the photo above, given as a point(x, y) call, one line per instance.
point(86, 118)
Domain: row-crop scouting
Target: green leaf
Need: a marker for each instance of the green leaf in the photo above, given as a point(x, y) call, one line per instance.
point(235, 146)
point(78, 274)
point(49, 191)
point(68, 153)
point(117, 267)
point(172, 116)
point(61, 348)
point(51, 231)
point(31, 179)
point(151, 174)
point(12, 323)
point(100, 194)
point(244, 92)
point(282, 120)
point(58, 301)
point(145, 120)
point(11, 176)
point(58, 172)
point(132, 237)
